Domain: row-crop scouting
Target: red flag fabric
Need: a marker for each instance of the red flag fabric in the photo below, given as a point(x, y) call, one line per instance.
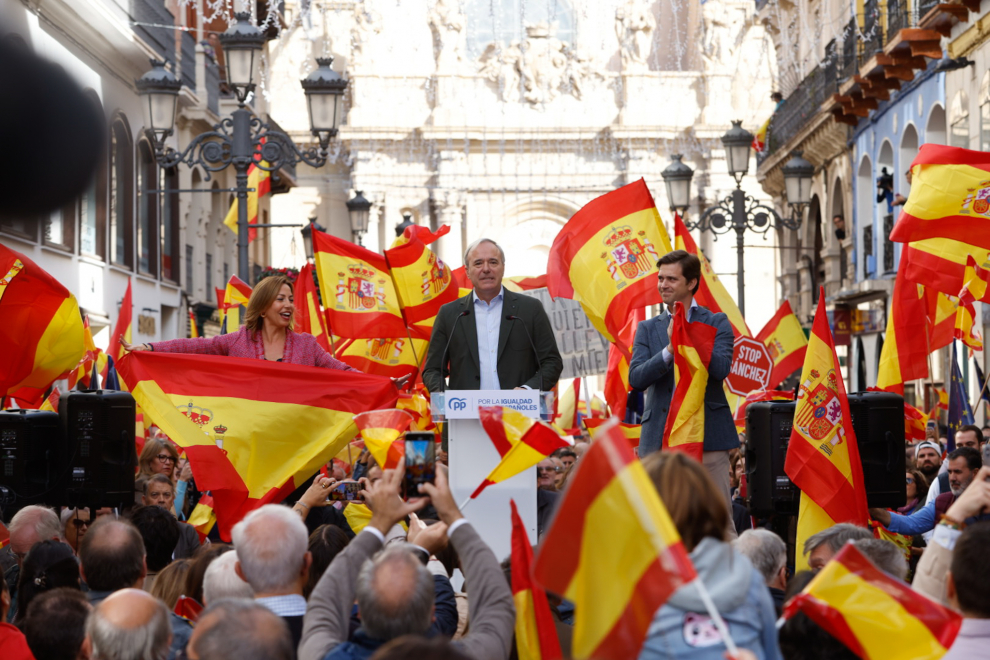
point(309, 314)
point(122, 328)
point(536, 633)
point(693, 344)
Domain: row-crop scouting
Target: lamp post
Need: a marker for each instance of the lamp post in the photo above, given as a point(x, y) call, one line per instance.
point(242, 139)
point(740, 211)
point(359, 209)
point(307, 234)
point(400, 228)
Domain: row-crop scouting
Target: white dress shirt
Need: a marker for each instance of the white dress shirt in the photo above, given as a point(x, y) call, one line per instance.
point(488, 322)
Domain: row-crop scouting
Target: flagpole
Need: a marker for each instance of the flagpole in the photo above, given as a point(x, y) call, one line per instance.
point(723, 630)
point(931, 374)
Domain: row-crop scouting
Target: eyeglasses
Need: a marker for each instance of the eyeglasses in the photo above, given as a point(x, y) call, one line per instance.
point(910, 481)
point(544, 470)
point(165, 457)
point(79, 524)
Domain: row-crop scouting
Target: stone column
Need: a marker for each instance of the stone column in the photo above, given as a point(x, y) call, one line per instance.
point(450, 207)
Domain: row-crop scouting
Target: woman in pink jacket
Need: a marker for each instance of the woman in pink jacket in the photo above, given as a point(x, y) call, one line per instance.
point(266, 334)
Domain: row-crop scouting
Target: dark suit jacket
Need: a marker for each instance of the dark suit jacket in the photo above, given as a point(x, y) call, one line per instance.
point(649, 371)
point(517, 365)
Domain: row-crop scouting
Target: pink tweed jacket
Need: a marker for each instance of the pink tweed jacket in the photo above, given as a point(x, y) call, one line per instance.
point(300, 348)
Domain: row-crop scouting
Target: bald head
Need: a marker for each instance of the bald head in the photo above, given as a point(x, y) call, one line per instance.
point(395, 595)
point(240, 629)
point(112, 555)
point(130, 624)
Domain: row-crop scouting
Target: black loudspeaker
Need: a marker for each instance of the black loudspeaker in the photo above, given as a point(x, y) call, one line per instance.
point(31, 446)
point(878, 421)
point(768, 430)
point(100, 448)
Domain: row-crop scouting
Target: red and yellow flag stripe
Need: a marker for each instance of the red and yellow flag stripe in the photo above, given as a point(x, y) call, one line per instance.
point(309, 314)
point(784, 338)
point(693, 344)
point(380, 429)
point(423, 283)
point(522, 442)
point(609, 496)
point(940, 263)
point(874, 614)
point(630, 431)
point(536, 634)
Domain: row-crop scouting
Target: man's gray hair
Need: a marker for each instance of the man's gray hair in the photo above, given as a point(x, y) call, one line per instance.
point(835, 537)
point(243, 630)
point(885, 555)
point(271, 546)
point(478, 242)
point(395, 595)
point(45, 522)
point(222, 581)
point(764, 549)
point(146, 642)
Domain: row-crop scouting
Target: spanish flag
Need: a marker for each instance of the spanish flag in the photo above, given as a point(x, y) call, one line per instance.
point(823, 456)
point(693, 344)
point(423, 283)
point(51, 403)
point(784, 338)
point(566, 418)
point(387, 356)
point(950, 197)
point(606, 256)
point(630, 431)
point(309, 315)
point(943, 398)
point(193, 328)
point(203, 518)
point(940, 263)
point(610, 499)
point(759, 143)
point(420, 233)
point(536, 634)
point(237, 294)
point(42, 331)
point(261, 181)
point(975, 286)
point(418, 406)
point(122, 329)
point(711, 292)
point(522, 442)
point(739, 418)
point(83, 372)
point(525, 283)
point(380, 429)
point(230, 416)
point(358, 292)
point(617, 374)
point(915, 422)
point(875, 615)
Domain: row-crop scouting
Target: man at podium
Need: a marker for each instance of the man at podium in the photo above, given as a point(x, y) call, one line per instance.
point(491, 339)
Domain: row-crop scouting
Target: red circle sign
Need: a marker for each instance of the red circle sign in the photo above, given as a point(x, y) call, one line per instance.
point(751, 366)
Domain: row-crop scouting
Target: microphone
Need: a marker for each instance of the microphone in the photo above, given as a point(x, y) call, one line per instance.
point(536, 354)
point(443, 356)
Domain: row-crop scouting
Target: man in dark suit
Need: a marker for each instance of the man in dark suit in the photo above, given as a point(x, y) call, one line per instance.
point(488, 351)
point(652, 368)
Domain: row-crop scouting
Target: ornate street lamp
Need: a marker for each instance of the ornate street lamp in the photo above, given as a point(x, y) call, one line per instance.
point(307, 234)
point(740, 211)
point(677, 179)
point(242, 139)
point(359, 209)
point(400, 228)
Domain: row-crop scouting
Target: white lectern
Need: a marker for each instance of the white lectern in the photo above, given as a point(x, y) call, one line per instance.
point(472, 456)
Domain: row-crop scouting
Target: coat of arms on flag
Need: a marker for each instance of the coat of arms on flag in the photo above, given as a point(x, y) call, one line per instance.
point(819, 413)
point(359, 286)
point(628, 253)
point(436, 278)
point(978, 201)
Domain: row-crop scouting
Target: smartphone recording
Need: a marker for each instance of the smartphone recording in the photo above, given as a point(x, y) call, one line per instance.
point(346, 492)
point(421, 462)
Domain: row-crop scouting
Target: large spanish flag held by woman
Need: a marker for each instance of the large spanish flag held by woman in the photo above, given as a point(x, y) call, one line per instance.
point(823, 456)
point(711, 292)
point(41, 330)
point(358, 292)
point(950, 197)
point(606, 257)
point(253, 430)
point(387, 356)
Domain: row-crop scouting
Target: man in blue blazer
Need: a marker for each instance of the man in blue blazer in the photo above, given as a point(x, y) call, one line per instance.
point(652, 368)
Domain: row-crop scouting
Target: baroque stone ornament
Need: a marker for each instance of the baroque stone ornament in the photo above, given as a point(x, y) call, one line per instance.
point(448, 23)
point(634, 26)
point(539, 68)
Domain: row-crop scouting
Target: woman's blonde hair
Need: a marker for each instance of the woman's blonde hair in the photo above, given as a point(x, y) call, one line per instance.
point(152, 447)
point(170, 582)
point(696, 506)
point(262, 297)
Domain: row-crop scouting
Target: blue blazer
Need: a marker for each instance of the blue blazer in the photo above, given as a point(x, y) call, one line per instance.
point(649, 371)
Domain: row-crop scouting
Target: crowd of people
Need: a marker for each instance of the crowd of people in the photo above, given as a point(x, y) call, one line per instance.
point(383, 577)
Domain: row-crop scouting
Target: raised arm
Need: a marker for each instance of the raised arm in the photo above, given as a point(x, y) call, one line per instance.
point(218, 345)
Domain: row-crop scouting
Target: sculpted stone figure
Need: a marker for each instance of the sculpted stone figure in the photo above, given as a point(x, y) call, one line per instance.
point(634, 25)
point(447, 23)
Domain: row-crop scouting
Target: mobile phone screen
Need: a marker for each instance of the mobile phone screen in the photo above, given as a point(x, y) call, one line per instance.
point(346, 492)
point(421, 462)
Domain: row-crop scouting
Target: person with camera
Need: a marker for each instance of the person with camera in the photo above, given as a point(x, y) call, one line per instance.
point(394, 589)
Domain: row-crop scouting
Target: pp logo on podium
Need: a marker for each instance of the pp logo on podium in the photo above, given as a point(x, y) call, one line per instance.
point(458, 404)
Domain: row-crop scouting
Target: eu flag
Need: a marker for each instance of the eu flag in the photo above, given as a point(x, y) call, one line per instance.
point(960, 413)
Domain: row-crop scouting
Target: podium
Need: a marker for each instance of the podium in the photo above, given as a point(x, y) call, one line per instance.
point(472, 456)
